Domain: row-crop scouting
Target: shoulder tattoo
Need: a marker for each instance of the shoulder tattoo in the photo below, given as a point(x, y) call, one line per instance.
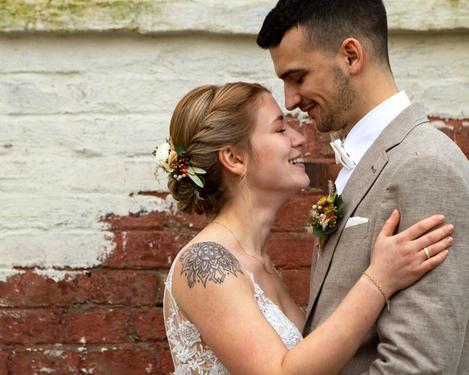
point(208, 261)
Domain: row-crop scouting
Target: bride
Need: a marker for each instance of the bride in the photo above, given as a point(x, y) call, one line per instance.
point(232, 156)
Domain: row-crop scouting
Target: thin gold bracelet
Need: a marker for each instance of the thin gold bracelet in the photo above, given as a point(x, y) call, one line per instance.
point(386, 299)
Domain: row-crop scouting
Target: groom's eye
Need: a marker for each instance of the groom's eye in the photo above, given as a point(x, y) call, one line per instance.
point(299, 80)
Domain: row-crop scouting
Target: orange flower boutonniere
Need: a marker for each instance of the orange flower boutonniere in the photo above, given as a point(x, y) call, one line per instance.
point(325, 215)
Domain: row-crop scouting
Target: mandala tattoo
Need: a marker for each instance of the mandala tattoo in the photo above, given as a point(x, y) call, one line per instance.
point(208, 261)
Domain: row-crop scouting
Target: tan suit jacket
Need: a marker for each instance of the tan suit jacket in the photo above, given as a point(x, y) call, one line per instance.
point(417, 169)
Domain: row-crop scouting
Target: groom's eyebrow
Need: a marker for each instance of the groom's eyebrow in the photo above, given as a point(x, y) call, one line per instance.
point(289, 72)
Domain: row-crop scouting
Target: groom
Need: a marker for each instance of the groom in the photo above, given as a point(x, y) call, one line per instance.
point(332, 56)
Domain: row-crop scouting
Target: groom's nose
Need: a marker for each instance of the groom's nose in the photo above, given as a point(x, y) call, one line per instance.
point(292, 98)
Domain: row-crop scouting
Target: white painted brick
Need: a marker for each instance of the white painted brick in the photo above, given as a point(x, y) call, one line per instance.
point(433, 70)
point(71, 134)
point(421, 15)
point(55, 210)
point(76, 249)
point(215, 16)
point(92, 85)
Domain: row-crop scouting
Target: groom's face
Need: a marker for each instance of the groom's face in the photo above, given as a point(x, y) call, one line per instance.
point(314, 81)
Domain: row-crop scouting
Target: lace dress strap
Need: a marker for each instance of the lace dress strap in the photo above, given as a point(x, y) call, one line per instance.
point(169, 287)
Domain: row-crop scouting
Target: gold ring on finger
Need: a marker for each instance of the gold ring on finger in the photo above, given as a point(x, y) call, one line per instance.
point(427, 253)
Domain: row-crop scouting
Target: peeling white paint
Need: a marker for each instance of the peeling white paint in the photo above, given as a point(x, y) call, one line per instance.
point(6, 273)
point(149, 368)
point(47, 370)
point(55, 353)
point(57, 275)
point(439, 124)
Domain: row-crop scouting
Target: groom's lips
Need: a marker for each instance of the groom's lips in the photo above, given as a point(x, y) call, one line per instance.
point(309, 108)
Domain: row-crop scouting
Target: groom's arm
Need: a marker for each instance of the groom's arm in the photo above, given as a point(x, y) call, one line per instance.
point(425, 330)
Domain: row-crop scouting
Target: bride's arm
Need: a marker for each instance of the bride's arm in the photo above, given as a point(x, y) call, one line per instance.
point(223, 308)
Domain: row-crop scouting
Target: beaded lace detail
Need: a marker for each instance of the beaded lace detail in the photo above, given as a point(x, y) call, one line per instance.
point(192, 356)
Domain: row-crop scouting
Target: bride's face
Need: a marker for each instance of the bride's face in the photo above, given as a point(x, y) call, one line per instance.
point(276, 151)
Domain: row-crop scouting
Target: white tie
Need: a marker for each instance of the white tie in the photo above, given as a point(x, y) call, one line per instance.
point(341, 155)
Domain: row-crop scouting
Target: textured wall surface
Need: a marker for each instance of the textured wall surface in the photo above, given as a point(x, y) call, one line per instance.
point(86, 91)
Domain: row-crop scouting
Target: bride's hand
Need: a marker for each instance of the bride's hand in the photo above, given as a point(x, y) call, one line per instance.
point(400, 260)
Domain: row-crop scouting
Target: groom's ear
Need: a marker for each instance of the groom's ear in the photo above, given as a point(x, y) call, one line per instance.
point(233, 160)
point(353, 54)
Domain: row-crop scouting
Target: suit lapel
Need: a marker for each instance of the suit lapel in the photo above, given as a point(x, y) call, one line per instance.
point(360, 182)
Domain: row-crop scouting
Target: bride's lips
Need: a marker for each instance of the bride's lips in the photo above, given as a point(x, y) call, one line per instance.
point(297, 161)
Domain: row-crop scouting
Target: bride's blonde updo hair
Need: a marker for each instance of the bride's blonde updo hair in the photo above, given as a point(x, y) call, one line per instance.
point(205, 121)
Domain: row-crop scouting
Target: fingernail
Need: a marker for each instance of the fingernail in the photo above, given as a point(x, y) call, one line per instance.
point(450, 227)
point(450, 239)
point(441, 217)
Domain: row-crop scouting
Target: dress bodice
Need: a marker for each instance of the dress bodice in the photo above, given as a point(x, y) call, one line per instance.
point(191, 355)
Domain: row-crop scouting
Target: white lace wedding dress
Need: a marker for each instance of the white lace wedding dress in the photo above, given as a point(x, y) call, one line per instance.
point(190, 354)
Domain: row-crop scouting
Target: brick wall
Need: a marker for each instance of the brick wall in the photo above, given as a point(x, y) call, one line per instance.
point(86, 232)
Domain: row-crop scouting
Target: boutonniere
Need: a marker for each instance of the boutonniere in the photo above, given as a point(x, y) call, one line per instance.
point(324, 216)
point(174, 160)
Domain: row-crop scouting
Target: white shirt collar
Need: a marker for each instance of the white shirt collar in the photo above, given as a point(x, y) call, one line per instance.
point(365, 131)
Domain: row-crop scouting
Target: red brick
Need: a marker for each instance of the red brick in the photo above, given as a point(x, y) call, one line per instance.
point(165, 362)
point(55, 360)
point(297, 282)
point(320, 172)
point(462, 137)
point(26, 327)
point(122, 360)
point(318, 145)
point(148, 324)
point(149, 249)
point(292, 215)
point(157, 220)
point(124, 287)
point(3, 362)
point(96, 326)
point(29, 289)
point(290, 250)
point(456, 129)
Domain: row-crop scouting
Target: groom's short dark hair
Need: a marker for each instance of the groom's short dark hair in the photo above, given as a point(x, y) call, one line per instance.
point(328, 23)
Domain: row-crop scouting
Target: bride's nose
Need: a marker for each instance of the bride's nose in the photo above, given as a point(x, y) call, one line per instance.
point(297, 139)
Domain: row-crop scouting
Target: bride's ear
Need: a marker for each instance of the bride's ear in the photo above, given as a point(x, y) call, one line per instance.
point(233, 160)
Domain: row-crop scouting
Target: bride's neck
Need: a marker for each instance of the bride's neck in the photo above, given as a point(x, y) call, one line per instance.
point(250, 223)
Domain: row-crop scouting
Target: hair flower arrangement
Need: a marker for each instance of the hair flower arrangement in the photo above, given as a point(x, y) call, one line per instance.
point(174, 160)
point(325, 215)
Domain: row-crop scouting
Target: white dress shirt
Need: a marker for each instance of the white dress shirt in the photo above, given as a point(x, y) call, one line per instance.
point(365, 132)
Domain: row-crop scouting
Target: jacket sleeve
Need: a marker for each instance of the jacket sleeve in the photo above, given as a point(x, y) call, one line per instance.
point(425, 330)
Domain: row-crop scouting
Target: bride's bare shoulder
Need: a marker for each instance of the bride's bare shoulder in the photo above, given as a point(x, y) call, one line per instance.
point(204, 263)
